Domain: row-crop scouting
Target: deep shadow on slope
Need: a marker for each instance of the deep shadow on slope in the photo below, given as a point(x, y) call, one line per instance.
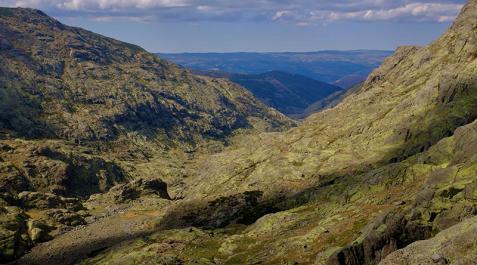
point(447, 198)
point(244, 208)
point(76, 245)
point(457, 107)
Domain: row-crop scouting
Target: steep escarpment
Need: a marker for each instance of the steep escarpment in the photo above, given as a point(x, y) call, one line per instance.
point(455, 245)
point(444, 199)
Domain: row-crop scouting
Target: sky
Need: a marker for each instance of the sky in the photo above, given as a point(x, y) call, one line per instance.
point(256, 25)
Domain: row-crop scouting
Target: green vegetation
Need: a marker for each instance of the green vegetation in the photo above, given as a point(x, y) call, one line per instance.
point(181, 171)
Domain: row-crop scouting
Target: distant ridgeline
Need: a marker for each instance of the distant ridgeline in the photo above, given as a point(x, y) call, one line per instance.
point(289, 82)
point(291, 94)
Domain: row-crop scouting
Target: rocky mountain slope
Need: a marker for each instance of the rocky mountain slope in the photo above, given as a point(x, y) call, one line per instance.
point(64, 82)
point(291, 94)
point(330, 101)
point(391, 165)
point(79, 111)
point(362, 183)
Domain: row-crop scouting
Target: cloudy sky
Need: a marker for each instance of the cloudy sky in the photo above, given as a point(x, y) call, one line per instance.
point(257, 25)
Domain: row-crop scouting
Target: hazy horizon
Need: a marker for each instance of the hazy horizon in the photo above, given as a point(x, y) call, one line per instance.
point(272, 52)
point(202, 26)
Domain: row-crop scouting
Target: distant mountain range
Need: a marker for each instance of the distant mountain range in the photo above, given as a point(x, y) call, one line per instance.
point(342, 68)
point(296, 84)
point(291, 94)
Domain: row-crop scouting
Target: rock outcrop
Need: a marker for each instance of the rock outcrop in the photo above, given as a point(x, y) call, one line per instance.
point(134, 190)
point(14, 239)
point(455, 245)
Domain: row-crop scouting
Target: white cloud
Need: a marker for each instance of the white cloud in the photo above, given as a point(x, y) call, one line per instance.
point(281, 14)
point(118, 4)
point(94, 4)
point(410, 12)
point(300, 12)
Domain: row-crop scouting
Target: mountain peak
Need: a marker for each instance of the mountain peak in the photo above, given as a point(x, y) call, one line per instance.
point(461, 38)
point(24, 13)
point(468, 13)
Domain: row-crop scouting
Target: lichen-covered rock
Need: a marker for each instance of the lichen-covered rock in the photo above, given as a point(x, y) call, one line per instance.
point(455, 245)
point(443, 200)
point(43, 201)
point(56, 167)
point(161, 248)
point(66, 217)
point(38, 231)
point(14, 239)
point(69, 174)
point(134, 190)
point(243, 208)
point(11, 179)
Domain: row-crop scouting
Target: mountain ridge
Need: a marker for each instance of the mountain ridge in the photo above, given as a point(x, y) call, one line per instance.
point(417, 98)
point(325, 66)
point(86, 56)
point(361, 183)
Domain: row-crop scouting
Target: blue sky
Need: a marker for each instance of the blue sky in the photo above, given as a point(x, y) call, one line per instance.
point(256, 25)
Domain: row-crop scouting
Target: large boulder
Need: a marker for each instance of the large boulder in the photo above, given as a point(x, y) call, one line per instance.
point(63, 217)
point(38, 231)
point(138, 188)
point(455, 245)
